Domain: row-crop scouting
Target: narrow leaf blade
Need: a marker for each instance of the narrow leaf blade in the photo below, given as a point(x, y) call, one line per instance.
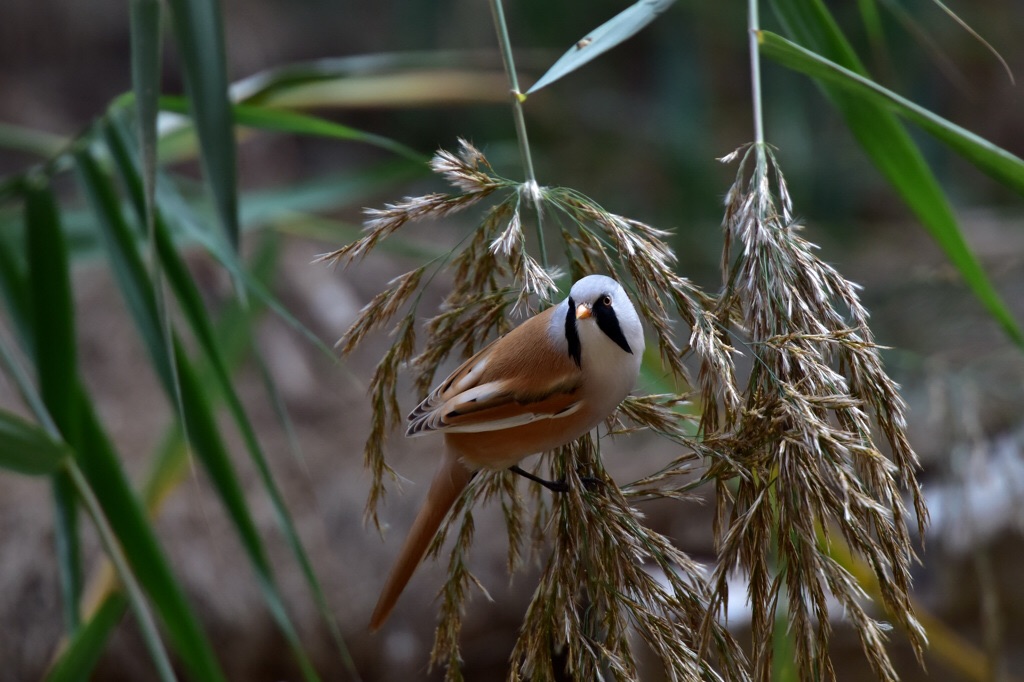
point(180, 382)
point(135, 535)
point(77, 660)
point(55, 356)
point(286, 121)
point(997, 162)
point(892, 150)
point(53, 321)
point(209, 448)
point(101, 467)
point(199, 32)
point(618, 29)
point(27, 449)
point(125, 262)
point(191, 303)
point(145, 45)
point(136, 599)
point(168, 465)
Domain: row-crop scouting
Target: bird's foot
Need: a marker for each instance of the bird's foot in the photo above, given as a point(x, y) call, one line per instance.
point(555, 486)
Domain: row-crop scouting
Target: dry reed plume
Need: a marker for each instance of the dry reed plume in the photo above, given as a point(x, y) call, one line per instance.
point(790, 449)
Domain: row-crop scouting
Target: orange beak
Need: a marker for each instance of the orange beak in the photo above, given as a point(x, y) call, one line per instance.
point(583, 311)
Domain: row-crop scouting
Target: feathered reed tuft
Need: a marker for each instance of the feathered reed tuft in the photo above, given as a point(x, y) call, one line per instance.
point(804, 461)
point(790, 446)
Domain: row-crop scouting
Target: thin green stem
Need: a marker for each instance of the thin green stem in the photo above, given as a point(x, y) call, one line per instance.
point(31, 141)
point(754, 30)
point(530, 187)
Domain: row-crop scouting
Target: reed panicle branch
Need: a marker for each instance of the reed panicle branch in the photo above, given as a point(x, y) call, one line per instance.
point(790, 447)
point(805, 460)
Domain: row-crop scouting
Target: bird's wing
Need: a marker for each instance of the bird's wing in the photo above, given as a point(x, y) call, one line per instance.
point(517, 379)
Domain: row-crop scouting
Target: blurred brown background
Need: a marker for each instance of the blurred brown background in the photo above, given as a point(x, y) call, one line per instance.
point(638, 130)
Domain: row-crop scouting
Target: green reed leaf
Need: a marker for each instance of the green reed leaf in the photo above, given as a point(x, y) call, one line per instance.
point(619, 28)
point(145, 46)
point(53, 340)
point(199, 422)
point(102, 469)
point(997, 162)
point(199, 32)
point(77, 660)
point(191, 303)
point(287, 121)
point(892, 150)
point(167, 466)
point(27, 449)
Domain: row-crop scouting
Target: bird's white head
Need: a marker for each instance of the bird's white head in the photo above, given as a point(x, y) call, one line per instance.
point(601, 332)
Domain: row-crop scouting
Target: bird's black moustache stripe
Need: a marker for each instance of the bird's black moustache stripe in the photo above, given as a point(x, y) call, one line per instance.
point(609, 324)
point(572, 335)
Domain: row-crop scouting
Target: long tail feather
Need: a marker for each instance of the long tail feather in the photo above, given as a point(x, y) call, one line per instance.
point(449, 482)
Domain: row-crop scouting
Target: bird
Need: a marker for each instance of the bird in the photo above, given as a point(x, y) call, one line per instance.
point(542, 385)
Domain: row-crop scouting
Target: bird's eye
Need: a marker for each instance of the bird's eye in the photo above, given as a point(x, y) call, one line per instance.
point(606, 300)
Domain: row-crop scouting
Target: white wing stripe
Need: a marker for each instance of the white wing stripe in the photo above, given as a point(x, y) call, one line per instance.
point(509, 422)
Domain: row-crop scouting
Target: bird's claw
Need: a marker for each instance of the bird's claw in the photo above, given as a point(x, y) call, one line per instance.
point(556, 486)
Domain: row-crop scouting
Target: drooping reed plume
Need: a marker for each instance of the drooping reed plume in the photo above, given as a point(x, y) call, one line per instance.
point(804, 440)
point(791, 451)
